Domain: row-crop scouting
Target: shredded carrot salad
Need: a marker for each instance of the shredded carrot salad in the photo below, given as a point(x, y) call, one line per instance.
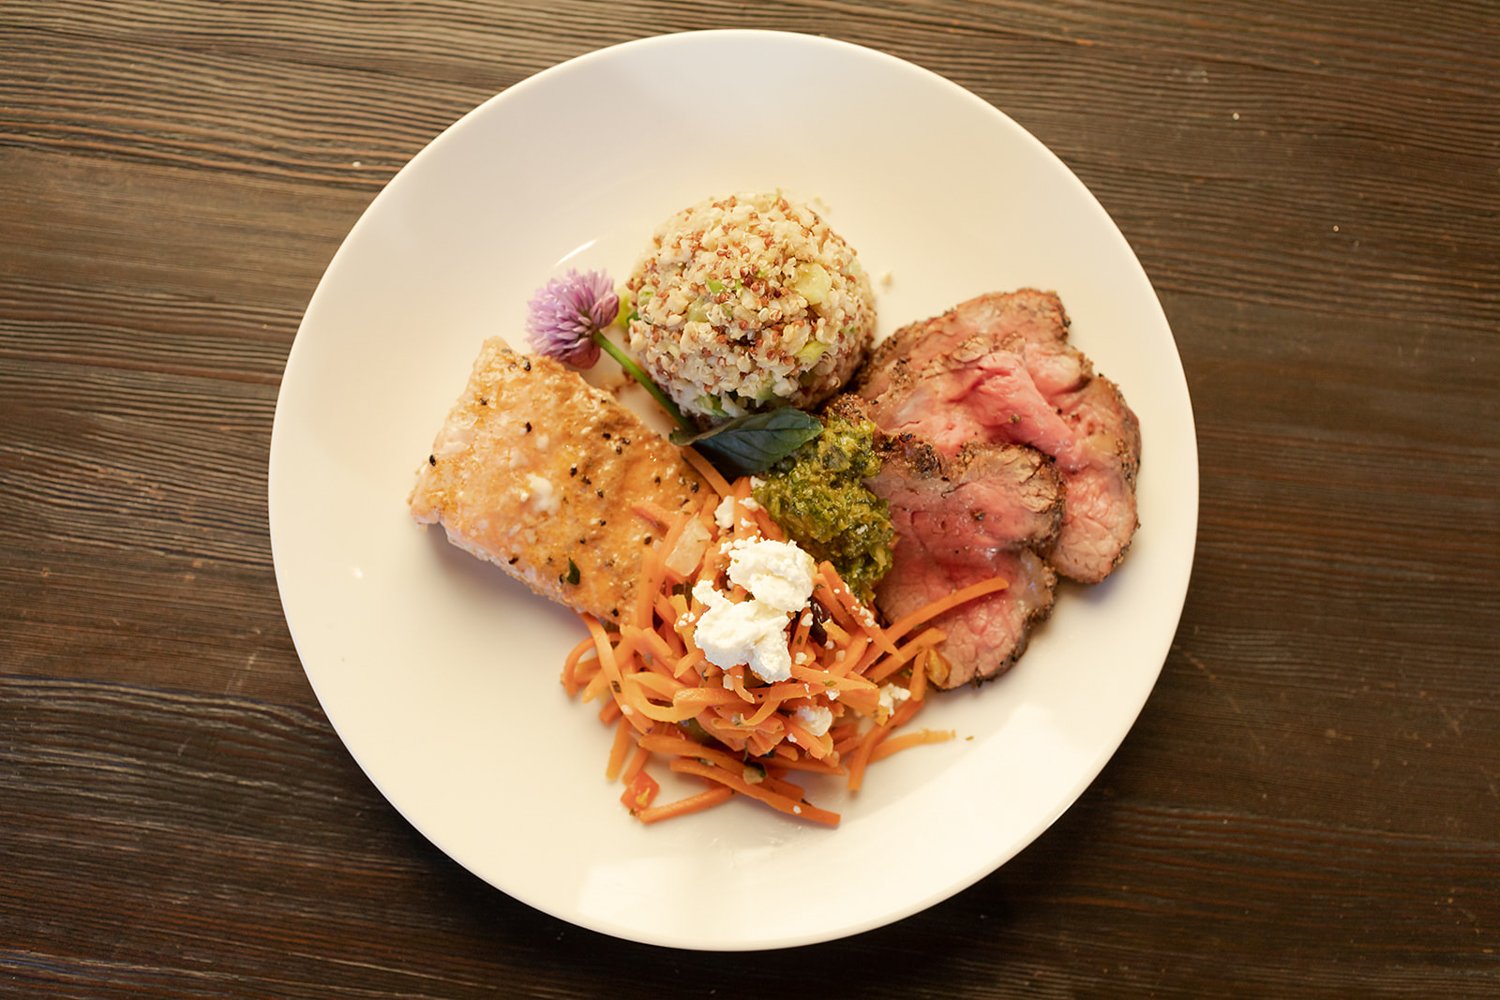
point(854, 684)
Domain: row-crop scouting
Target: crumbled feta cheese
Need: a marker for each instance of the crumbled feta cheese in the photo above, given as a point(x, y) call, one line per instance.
point(749, 504)
point(815, 719)
point(748, 632)
point(724, 514)
point(779, 579)
point(779, 574)
point(890, 695)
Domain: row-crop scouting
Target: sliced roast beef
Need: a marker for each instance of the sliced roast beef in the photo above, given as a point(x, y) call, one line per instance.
point(966, 331)
point(983, 638)
point(963, 508)
point(965, 518)
point(991, 397)
point(998, 368)
point(1099, 518)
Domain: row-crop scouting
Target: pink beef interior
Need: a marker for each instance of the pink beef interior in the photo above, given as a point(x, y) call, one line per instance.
point(960, 519)
point(998, 368)
point(1005, 455)
point(984, 637)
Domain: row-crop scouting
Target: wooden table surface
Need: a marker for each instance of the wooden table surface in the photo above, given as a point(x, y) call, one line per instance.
point(1310, 803)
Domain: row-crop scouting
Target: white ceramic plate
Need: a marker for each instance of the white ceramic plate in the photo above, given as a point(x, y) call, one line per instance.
point(440, 674)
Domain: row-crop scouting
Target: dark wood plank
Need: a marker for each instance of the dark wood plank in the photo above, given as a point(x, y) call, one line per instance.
point(1290, 98)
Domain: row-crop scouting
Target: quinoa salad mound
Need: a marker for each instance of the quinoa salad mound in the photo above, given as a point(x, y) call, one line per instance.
point(749, 302)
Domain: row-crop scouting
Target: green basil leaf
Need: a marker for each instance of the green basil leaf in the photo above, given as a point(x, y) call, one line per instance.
point(755, 442)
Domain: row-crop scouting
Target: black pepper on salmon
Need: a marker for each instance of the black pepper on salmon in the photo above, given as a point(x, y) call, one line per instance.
point(502, 479)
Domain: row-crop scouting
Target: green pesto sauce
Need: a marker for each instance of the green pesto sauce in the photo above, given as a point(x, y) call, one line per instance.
point(818, 496)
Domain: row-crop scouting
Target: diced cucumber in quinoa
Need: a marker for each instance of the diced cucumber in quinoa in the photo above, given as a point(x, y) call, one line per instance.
point(711, 405)
point(731, 290)
point(810, 352)
point(813, 283)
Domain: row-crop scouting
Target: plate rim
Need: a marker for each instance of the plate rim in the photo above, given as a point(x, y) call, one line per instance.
point(275, 488)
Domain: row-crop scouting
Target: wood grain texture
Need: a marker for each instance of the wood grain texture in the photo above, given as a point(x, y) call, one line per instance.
point(1308, 806)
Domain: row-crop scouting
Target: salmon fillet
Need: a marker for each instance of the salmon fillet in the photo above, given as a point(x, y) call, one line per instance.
point(536, 471)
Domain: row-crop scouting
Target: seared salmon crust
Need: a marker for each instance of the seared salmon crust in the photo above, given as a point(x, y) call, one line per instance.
point(536, 471)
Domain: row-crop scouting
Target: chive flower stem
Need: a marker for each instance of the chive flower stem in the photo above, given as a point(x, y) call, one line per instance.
point(635, 371)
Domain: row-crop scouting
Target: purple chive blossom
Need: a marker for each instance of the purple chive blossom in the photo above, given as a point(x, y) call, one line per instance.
point(563, 317)
point(566, 320)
